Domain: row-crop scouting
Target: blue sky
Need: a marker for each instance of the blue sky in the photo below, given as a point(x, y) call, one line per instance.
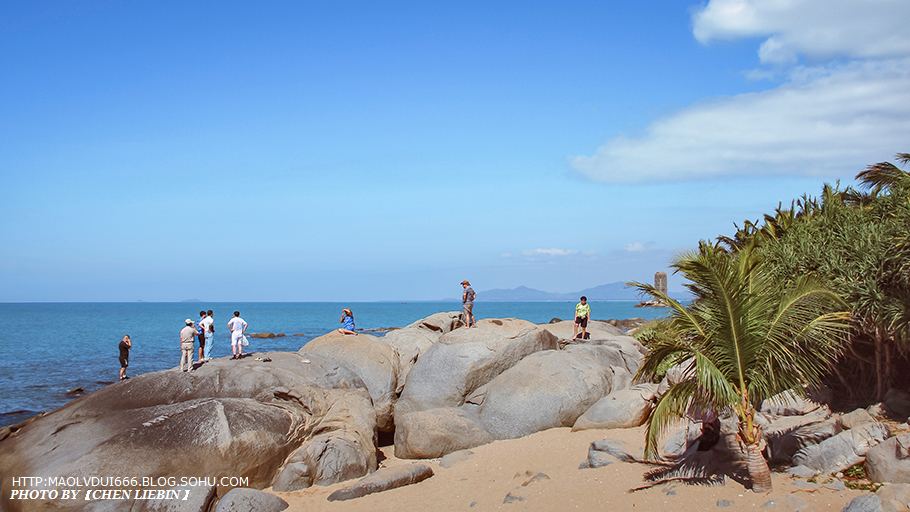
point(358, 151)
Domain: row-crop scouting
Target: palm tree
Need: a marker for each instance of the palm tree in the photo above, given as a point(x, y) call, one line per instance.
point(746, 339)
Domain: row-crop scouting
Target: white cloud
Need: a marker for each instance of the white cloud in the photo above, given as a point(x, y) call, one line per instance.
point(818, 29)
point(636, 247)
point(550, 252)
point(828, 120)
point(553, 254)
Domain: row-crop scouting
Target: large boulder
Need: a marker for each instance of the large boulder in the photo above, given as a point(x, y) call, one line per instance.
point(623, 408)
point(412, 341)
point(205, 436)
point(437, 432)
point(890, 460)
point(546, 390)
point(465, 359)
point(376, 364)
point(229, 417)
point(788, 403)
point(343, 447)
point(843, 450)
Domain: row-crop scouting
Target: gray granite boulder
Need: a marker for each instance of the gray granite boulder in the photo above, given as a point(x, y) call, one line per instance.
point(412, 341)
point(623, 408)
point(607, 451)
point(465, 359)
point(437, 432)
point(788, 403)
point(890, 460)
point(897, 403)
point(193, 499)
point(842, 450)
point(868, 503)
point(855, 419)
point(213, 436)
point(789, 434)
point(899, 493)
point(383, 480)
point(250, 500)
point(546, 390)
point(376, 364)
point(343, 445)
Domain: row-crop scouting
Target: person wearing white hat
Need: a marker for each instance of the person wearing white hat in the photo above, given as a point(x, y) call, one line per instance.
point(187, 334)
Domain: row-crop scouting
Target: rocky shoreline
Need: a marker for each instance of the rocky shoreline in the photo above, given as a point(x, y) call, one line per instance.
point(335, 411)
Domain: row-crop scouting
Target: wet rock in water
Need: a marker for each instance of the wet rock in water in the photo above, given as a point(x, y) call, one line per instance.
point(382, 480)
point(75, 392)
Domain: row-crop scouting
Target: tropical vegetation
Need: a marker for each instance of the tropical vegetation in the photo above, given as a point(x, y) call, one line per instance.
point(817, 292)
point(742, 339)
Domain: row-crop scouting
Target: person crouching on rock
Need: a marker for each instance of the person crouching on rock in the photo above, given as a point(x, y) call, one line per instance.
point(347, 318)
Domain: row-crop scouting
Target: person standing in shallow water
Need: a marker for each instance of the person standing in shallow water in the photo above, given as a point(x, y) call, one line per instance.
point(347, 318)
point(125, 345)
point(186, 345)
point(237, 327)
point(467, 303)
point(582, 313)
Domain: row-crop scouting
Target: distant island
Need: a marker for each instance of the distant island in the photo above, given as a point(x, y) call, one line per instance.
point(612, 291)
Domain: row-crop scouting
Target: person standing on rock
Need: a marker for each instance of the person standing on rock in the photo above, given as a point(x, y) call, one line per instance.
point(347, 318)
point(467, 301)
point(125, 346)
point(209, 333)
point(186, 345)
point(582, 313)
point(200, 334)
point(237, 327)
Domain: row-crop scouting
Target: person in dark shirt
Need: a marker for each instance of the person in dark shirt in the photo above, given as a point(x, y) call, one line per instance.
point(125, 346)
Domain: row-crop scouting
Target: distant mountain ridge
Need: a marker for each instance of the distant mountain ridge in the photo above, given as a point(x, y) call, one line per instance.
point(611, 291)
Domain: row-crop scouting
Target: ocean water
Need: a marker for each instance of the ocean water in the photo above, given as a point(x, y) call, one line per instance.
point(50, 348)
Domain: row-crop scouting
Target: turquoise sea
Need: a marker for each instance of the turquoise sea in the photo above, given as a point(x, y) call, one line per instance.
point(50, 348)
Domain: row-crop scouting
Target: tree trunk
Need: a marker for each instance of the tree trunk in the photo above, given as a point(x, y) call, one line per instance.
point(879, 366)
point(759, 472)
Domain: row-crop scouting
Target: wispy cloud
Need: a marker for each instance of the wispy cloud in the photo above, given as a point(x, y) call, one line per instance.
point(636, 247)
point(826, 120)
point(551, 254)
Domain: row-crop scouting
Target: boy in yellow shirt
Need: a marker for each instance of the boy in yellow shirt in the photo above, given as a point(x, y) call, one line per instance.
point(582, 313)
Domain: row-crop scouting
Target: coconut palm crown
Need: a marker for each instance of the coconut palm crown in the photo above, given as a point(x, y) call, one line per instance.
point(744, 338)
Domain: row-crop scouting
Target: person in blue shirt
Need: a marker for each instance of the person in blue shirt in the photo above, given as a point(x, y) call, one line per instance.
point(347, 318)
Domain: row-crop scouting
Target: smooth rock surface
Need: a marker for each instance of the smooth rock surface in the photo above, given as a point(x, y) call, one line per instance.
point(843, 450)
point(243, 499)
point(382, 480)
point(547, 389)
point(437, 432)
point(620, 409)
point(376, 364)
point(890, 460)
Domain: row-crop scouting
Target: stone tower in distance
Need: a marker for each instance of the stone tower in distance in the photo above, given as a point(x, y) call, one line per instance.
point(660, 282)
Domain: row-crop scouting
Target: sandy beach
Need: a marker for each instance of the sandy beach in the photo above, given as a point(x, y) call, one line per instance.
point(486, 478)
